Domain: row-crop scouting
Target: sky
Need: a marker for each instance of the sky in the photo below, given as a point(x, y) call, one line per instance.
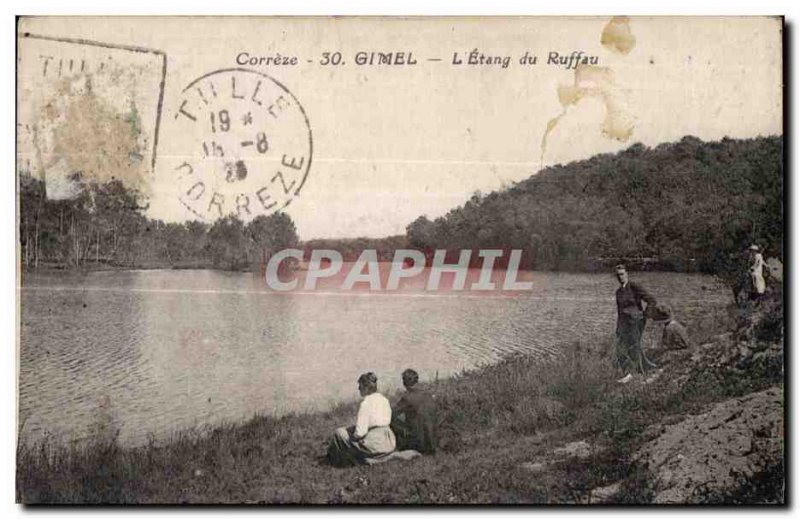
point(390, 143)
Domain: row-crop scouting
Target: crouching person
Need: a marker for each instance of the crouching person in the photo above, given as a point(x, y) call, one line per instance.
point(675, 336)
point(674, 339)
point(371, 438)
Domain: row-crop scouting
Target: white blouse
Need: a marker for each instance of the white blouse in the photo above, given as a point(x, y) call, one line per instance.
point(374, 411)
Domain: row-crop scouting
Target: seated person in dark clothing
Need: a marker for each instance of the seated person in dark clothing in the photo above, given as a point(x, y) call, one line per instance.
point(675, 336)
point(414, 417)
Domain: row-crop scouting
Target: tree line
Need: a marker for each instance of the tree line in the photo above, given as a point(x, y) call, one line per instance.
point(105, 225)
point(688, 205)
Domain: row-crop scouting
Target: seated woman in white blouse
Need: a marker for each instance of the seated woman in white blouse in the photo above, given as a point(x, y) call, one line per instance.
point(371, 437)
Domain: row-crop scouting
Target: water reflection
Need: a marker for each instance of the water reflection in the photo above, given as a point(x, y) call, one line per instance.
point(153, 351)
point(219, 356)
point(79, 356)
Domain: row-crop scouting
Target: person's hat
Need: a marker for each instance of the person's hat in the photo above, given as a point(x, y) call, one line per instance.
point(754, 247)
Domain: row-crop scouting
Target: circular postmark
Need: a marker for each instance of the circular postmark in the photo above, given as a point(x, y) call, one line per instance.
point(247, 145)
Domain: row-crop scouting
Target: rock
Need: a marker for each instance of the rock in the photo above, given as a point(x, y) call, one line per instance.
point(579, 449)
point(713, 453)
point(653, 431)
point(605, 494)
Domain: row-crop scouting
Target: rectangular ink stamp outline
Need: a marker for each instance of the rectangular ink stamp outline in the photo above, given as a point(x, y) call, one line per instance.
point(129, 48)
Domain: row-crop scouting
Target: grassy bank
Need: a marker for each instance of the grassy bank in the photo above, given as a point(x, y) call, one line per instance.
point(495, 420)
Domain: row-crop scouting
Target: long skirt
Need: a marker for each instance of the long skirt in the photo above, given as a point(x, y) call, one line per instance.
point(759, 286)
point(343, 451)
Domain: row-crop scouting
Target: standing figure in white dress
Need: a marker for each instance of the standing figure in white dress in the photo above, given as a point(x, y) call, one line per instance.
point(758, 285)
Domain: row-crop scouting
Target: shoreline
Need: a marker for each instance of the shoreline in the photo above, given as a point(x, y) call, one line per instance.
point(500, 424)
point(587, 266)
point(51, 269)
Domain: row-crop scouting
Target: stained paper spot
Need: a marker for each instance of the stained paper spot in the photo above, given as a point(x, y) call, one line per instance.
point(598, 82)
point(617, 35)
point(88, 112)
point(89, 140)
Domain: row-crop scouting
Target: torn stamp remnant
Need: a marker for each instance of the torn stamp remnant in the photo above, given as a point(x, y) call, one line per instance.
point(89, 113)
point(246, 145)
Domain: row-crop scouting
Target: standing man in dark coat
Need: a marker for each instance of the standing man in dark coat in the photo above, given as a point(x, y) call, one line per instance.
point(630, 324)
point(414, 417)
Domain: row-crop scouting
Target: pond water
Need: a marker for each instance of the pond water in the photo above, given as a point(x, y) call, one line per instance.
point(150, 352)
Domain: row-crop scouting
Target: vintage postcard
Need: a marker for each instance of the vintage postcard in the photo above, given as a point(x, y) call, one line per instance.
point(375, 260)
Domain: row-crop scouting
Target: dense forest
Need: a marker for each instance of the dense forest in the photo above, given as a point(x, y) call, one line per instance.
point(106, 226)
point(690, 205)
